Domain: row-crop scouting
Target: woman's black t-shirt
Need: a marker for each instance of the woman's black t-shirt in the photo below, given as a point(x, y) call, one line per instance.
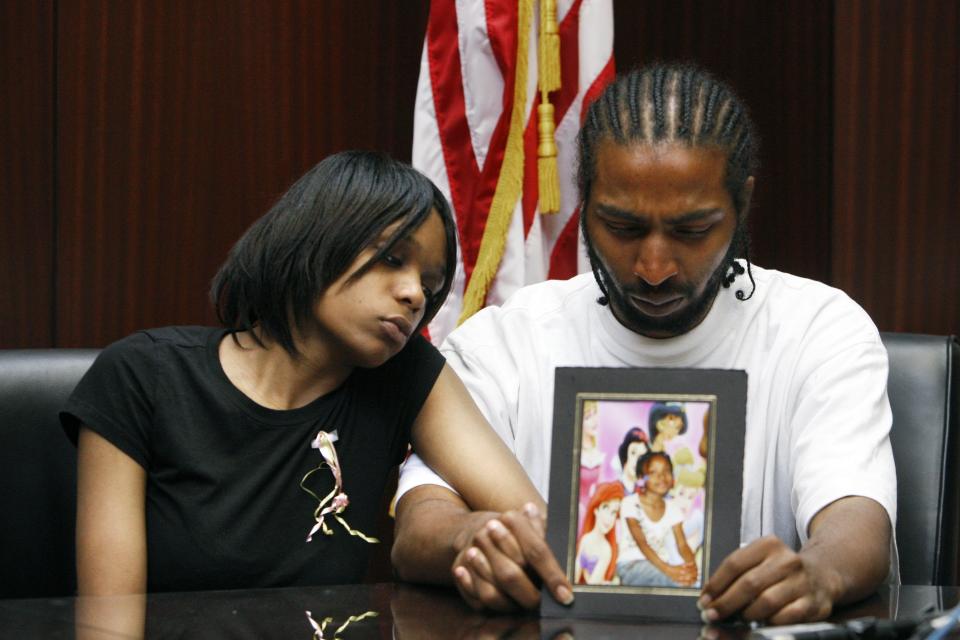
point(224, 506)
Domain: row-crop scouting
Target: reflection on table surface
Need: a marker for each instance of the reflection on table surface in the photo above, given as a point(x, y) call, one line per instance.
point(392, 611)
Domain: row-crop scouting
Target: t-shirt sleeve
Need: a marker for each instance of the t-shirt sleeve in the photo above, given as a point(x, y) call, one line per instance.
point(840, 443)
point(410, 375)
point(673, 515)
point(115, 397)
point(629, 507)
point(415, 473)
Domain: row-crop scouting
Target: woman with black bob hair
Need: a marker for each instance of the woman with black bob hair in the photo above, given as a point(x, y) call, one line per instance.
point(316, 230)
point(256, 454)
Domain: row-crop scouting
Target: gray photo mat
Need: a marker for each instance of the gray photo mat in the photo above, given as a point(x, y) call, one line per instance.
point(725, 391)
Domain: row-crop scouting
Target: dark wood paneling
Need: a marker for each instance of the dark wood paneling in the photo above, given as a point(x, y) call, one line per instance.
point(778, 57)
point(182, 121)
point(178, 123)
point(897, 163)
point(26, 181)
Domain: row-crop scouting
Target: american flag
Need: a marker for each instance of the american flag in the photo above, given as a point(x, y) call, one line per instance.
point(476, 137)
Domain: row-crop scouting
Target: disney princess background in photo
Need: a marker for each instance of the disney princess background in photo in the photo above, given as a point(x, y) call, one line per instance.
point(642, 496)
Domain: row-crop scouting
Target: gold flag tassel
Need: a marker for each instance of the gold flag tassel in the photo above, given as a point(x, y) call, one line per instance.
point(549, 62)
point(510, 182)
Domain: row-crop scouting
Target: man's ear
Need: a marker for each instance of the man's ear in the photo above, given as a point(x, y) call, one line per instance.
point(747, 196)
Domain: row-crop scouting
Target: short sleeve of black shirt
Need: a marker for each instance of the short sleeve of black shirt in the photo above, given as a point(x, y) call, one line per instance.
point(115, 397)
point(403, 383)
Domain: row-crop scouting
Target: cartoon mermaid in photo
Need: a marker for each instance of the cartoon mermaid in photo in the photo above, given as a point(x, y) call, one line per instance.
point(596, 559)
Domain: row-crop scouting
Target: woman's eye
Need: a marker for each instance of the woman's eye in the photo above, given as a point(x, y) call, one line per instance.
point(392, 260)
point(427, 293)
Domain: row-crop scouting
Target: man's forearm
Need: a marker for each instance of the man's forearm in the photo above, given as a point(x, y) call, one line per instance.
point(850, 545)
point(432, 527)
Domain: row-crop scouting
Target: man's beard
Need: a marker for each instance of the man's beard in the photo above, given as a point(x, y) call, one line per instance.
point(672, 325)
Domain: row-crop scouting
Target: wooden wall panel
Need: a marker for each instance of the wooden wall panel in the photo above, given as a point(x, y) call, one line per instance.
point(181, 122)
point(896, 160)
point(26, 181)
point(778, 57)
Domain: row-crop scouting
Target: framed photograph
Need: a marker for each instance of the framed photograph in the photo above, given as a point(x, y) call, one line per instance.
point(646, 476)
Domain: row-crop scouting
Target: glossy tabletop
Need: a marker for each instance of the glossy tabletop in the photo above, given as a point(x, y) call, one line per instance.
point(377, 611)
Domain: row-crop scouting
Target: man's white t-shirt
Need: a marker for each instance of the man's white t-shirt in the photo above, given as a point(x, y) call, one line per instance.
point(818, 417)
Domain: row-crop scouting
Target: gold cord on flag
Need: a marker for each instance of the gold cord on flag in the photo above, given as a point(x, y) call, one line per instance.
point(510, 182)
point(549, 63)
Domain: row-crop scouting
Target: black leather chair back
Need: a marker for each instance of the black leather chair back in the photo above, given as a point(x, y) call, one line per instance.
point(924, 392)
point(38, 472)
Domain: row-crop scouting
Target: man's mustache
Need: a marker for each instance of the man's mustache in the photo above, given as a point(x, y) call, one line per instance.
point(666, 289)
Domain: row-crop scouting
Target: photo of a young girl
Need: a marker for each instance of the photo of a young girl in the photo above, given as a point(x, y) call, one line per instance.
point(655, 527)
point(596, 558)
point(655, 450)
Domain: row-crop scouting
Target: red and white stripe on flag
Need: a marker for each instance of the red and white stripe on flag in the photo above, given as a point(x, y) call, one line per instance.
point(466, 93)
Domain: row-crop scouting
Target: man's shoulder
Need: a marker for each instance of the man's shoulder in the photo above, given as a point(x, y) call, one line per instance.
point(802, 297)
point(536, 306)
point(812, 312)
point(548, 295)
point(783, 283)
point(529, 325)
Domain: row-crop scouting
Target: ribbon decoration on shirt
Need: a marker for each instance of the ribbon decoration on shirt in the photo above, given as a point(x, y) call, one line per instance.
point(336, 501)
point(319, 627)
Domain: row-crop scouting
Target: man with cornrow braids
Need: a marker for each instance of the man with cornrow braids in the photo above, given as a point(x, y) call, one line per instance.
point(668, 156)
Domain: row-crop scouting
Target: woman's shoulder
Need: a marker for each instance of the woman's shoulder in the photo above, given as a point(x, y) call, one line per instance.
point(418, 355)
point(144, 346)
point(116, 397)
point(404, 381)
point(179, 336)
point(184, 336)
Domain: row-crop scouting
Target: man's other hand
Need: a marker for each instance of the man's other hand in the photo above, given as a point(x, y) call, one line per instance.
point(844, 560)
point(769, 582)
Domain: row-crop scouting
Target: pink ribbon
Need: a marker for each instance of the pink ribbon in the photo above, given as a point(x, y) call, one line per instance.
point(334, 503)
point(320, 627)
